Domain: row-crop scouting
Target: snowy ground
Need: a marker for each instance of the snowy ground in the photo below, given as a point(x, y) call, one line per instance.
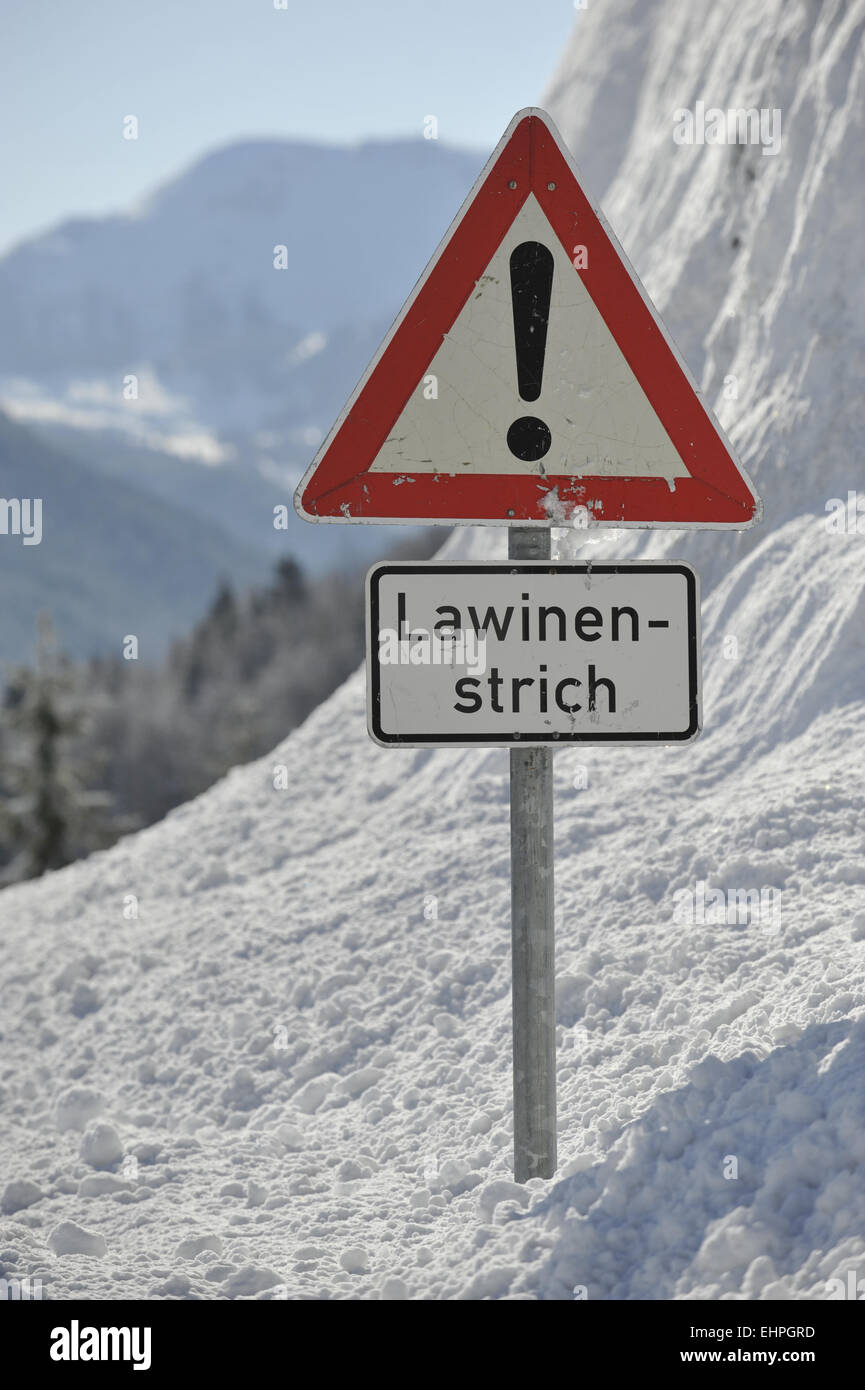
point(289, 1075)
point(304, 1037)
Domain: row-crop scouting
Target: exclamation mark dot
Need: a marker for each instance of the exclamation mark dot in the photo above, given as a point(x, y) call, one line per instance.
point(531, 286)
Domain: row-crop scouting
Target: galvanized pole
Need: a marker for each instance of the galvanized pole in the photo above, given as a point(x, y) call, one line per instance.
point(533, 933)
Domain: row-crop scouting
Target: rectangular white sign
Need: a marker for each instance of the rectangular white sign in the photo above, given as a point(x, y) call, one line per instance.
point(533, 653)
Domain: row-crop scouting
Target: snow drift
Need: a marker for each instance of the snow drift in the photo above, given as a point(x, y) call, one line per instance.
point(263, 1049)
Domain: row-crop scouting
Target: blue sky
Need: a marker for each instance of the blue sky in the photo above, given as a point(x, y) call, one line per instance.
point(199, 73)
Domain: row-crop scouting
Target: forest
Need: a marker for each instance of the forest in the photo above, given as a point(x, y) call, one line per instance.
point(91, 750)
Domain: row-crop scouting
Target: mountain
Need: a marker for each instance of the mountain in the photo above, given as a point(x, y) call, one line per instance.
point(112, 559)
point(162, 352)
point(205, 302)
point(296, 1059)
point(169, 326)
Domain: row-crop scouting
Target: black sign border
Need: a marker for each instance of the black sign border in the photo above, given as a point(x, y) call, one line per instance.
point(530, 740)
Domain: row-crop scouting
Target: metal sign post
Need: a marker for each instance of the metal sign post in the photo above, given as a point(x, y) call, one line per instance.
point(532, 654)
point(533, 985)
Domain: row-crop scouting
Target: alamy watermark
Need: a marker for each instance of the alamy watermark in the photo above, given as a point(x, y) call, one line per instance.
point(77, 1343)
point(704, 906)
point(21, 516)
point(845, 518)
point(25, 1290)
point(447, 647)
point(739, 125)
point(850, 1288)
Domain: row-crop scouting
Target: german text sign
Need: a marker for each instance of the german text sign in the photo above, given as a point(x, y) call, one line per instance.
point(533, 653)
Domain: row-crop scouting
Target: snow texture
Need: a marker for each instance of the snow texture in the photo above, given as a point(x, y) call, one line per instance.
point(296, 1057)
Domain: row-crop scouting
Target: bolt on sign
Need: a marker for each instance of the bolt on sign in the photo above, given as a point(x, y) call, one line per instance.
point(529, 382)
point(528, 378)
point(533, 653)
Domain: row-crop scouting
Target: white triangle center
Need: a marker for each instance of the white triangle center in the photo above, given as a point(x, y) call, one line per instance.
point(458, 417)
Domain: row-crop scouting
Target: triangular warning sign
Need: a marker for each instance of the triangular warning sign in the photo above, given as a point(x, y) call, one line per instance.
point(528, 378)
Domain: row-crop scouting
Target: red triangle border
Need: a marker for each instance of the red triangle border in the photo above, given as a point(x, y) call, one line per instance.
point(530, 159)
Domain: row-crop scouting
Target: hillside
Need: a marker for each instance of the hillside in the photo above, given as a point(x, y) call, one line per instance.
point(237, 501)
point(289, 1074)
point(112, 559)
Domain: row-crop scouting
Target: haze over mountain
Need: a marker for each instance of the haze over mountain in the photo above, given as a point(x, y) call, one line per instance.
point(238, 365)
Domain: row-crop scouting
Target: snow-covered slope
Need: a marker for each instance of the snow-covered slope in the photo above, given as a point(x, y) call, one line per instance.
point(294, 1062)
point(753, 259)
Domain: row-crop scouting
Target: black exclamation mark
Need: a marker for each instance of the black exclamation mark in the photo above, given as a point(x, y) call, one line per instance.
point(531, 287)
